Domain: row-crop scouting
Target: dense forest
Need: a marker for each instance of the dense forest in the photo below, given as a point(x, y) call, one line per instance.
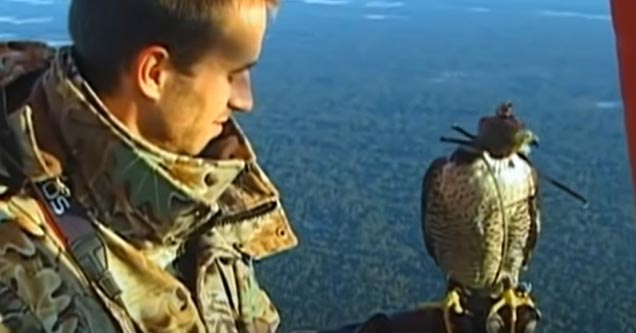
point(350, 112)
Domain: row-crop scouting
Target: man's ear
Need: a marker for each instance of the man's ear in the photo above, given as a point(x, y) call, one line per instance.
point(151, 71)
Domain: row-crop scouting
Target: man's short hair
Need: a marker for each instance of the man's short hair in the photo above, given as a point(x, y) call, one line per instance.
point(107, 34)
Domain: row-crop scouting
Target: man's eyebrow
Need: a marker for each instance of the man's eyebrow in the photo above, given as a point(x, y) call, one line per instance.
point(246, 67)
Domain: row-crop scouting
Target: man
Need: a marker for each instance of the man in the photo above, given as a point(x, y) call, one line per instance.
point(131, 200)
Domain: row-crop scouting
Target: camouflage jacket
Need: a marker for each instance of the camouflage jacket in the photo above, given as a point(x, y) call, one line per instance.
point(179, 234)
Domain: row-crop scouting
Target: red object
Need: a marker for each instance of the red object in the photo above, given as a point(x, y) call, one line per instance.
point(624, 17)
point(51, 221)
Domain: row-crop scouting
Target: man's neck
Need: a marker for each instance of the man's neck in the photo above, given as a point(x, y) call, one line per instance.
point(130, 115)
point(124, 109)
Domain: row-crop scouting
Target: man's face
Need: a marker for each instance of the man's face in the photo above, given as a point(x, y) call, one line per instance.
point(193, 108)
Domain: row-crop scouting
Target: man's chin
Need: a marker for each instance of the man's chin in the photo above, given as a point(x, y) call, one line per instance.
point(216, 130)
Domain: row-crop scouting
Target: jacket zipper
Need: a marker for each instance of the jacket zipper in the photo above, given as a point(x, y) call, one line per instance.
point(247, 215)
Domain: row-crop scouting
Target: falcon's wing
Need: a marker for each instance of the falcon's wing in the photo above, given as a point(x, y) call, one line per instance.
point(534, 211)
point(429, 206)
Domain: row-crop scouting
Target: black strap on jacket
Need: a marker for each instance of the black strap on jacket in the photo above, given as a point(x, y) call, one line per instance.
point(80, 237)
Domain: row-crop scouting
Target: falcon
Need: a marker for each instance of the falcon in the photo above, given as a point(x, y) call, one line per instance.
point(480, 214)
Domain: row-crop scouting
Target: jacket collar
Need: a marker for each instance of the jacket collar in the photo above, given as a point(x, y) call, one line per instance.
point(144, 193)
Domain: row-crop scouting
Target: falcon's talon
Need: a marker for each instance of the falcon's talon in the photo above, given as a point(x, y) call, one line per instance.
point(514, 299)
point(524, 287)
point(450, 303)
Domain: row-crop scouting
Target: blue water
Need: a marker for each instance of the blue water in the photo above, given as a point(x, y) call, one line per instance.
point(352, 97)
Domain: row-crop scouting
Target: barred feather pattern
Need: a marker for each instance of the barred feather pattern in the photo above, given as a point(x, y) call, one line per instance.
point(480, 219)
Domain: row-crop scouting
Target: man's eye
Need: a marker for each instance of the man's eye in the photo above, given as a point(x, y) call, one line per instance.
point(234, 75)
point(237, 75)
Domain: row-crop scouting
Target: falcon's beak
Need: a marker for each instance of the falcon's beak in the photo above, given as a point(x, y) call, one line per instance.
point(530, 138)
point(535, 142)
point(526, 139)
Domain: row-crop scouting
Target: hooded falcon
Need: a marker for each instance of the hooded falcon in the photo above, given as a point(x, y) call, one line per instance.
point(480, 215)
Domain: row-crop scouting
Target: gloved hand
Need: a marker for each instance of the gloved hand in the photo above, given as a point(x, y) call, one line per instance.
point(431, 321)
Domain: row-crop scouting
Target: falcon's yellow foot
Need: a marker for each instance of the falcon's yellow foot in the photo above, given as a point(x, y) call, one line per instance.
point(513, 299)
point(451, 302)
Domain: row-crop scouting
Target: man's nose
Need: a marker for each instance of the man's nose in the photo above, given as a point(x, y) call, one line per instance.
point(241, 98)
